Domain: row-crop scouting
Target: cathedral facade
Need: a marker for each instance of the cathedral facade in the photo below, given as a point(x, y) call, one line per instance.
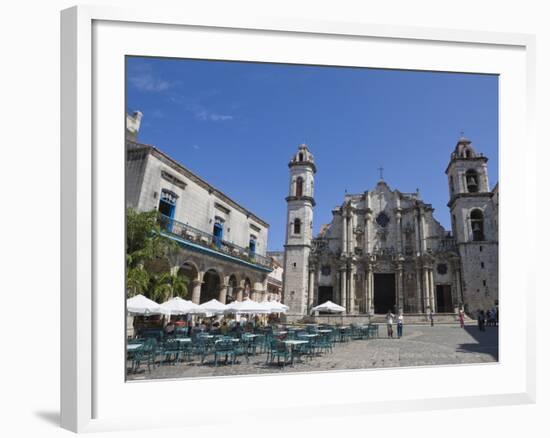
point(384, 250)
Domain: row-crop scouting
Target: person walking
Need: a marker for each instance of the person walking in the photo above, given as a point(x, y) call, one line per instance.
point(461, 317)
point(481, 321)
point(389, 322)
point(400, 325)
point(431, 318)
point(489, 318)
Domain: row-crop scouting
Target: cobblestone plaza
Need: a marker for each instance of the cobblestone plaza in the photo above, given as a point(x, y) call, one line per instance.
point(421, 345)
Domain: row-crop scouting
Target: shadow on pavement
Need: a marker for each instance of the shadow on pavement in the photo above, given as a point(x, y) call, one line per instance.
point(487, 341)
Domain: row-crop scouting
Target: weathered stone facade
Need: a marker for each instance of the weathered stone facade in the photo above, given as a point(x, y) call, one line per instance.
point(384, 250)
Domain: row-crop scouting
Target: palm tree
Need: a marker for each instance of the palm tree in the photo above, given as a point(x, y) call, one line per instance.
point(166, 286)
point(137, 281)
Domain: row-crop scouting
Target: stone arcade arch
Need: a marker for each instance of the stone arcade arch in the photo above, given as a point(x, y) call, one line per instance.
point(247, 288)
point(189, 271)
point(210, 287)
point(232, 289)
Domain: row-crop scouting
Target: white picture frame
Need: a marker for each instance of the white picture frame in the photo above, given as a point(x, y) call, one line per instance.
point(93, 398)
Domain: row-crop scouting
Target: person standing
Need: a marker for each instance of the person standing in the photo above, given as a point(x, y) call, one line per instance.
point(400, 325)
point(481, 321)
point(431, 318)
point(389, 322)
point(461, 317)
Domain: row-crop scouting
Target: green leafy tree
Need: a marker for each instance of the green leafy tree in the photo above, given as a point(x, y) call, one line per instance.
point(144, 241)
point(146, 258)
point(137, 281)
point(165, 286)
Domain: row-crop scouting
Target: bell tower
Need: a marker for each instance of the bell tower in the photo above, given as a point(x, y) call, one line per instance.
point(474, 225)
point(299, 230)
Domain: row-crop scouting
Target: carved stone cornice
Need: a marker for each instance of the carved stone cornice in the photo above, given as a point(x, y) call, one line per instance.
point(301, 198)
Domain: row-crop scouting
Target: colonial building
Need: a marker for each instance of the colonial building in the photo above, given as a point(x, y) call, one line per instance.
point(384, 250)
point(275, 280)
point(222, 245)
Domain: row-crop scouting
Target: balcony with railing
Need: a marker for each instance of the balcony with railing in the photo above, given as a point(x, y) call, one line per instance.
point(447, 244)
point(209, 241)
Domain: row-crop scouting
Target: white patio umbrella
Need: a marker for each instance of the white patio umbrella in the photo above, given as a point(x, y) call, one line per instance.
point(141, 305)
point(330, 307)
point(211, 307)
point(247, 307)
point(178, 306)
point(275, 306)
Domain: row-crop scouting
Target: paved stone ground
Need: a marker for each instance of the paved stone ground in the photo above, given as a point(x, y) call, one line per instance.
point(420, 345)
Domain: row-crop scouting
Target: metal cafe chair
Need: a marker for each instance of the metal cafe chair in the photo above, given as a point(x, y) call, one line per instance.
point(224, 348)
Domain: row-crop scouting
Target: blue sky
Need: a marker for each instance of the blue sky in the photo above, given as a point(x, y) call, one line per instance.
point(237, 125)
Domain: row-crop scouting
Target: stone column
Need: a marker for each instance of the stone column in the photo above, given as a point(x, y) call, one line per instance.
point(351, 299)
point(372, 291)
point(238, 293)
point(310, 289)
point(399, 232)
point(422, 231)
point(352, 226)
point(417, 248)
point(426, 290)
point(458, 287)
point(223, 293)
point(343, 287)
point(344, 233)
point(349, 234)
point(263, 292)
point(366, 290)
point(419, 306)
point(432, 289)
point(399, 279)
point(366, 233)
point(196, 294)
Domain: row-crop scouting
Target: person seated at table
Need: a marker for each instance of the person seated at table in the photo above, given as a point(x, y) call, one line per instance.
point(180, 323)
point(224, 328)
point(170, 328)
point(237, 328)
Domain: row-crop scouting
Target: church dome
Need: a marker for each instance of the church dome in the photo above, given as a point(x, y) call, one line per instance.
point(303, 157)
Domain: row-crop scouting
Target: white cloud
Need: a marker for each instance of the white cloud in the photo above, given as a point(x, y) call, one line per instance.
point(202, 113)
point(220, 117)
point(146, 81)
point(157, 114)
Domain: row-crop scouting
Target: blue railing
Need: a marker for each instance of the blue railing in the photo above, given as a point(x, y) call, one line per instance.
point(210, 241)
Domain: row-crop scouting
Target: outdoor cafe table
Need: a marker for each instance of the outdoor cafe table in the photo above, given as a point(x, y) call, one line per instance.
point(183, 340)
point(133, 347)
point(324, 331)
point(293, 343)
point(309, 335)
